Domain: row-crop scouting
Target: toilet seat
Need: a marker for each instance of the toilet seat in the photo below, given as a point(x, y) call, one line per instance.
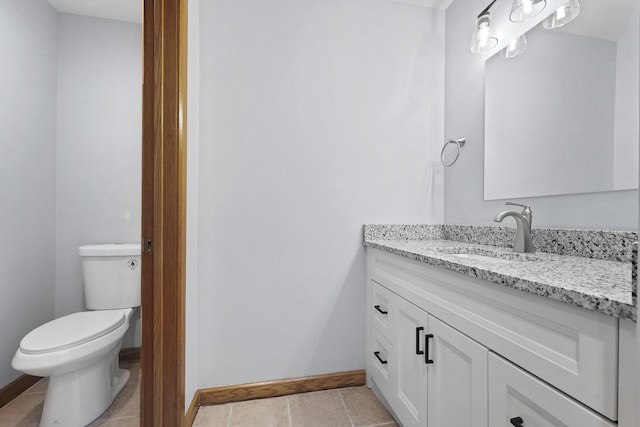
point(72, 330)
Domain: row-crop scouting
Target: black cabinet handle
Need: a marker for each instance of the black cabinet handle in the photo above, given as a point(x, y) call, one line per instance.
point(517, 422)
point(418, 330)
point(426, 349)
point(377, 307)
point(377, 354)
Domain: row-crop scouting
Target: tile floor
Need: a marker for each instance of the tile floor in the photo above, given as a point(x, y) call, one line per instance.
point(25, 410)
point(346, 407)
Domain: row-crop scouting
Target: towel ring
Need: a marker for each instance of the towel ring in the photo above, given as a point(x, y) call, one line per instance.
point(459, 142)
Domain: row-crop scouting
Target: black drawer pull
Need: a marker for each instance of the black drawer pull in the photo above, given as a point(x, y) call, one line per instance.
point(418, 330)
point(377, 307)
point(426, 349)
point(377, 354)
point(517, 422)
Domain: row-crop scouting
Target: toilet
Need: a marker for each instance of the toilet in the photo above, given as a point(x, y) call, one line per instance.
point(79, 352)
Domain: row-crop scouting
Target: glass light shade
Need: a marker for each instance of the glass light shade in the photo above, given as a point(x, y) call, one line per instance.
point(521, 10)
point(514, 48)
point(483, 38)
point(563, 15)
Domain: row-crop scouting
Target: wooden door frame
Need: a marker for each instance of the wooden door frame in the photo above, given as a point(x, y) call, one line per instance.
point(163, 212)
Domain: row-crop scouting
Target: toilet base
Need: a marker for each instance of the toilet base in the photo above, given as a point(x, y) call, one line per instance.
point(76, 398)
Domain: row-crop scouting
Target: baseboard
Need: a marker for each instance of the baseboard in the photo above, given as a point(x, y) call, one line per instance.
point(16, 387)
point(241, 392)
point(192, 411)
point(130, 355)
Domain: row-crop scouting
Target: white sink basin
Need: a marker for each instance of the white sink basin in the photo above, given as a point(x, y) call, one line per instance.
point(478, 257)
point(489, 255)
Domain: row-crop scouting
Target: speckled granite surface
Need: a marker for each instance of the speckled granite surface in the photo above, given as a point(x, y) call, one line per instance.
point(600, 279)
point(402, 232)
point(610, 245)
point(634, 274)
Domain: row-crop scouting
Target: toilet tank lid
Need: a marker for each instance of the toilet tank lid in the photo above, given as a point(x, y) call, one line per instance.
point(72, 330)
point(110, 249)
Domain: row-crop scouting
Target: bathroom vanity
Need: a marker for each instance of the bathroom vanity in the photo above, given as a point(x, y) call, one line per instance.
point(463, 332)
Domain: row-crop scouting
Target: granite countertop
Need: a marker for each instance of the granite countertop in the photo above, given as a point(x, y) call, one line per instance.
point(603, 285)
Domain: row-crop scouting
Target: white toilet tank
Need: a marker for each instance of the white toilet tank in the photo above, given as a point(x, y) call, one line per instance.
point(111, 275)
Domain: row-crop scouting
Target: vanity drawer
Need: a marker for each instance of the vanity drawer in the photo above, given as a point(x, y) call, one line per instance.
point(517, 398)
point(573, 349)
point(380, 361)
point(381, 300)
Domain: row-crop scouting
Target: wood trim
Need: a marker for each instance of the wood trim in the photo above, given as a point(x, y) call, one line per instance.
point(129, 355)
point(238, 393)
point(190, 416)
point(16, 387)
point(163, 212)
point(151, 103)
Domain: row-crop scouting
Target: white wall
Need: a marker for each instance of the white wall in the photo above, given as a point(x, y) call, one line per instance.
point(27, 172)
point(99, 146)
point(316, 117)
point(464, 115)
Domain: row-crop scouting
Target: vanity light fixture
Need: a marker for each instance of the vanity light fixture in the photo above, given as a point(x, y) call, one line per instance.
point(514, 48)
point(563, 15)
point(483, 38)
point(521, 10)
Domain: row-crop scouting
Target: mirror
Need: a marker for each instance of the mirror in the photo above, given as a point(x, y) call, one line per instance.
point(562, 118)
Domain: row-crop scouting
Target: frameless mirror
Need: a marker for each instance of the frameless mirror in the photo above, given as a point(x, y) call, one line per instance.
point(562, 117)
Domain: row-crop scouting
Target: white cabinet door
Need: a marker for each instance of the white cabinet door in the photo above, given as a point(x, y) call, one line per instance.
point(457, 388)
point(410, 385)
point(516, 398)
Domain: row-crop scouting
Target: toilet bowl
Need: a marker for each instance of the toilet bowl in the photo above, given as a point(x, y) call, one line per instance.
point(79, 352)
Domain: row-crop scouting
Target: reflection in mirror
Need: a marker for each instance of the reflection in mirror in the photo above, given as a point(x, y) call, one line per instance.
point(562, 118)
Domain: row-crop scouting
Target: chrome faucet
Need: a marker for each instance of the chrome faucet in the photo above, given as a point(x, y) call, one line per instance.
point(523, 242)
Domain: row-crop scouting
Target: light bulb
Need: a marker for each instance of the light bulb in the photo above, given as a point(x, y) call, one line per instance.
point(521, 10)
point(561, 12)
point(483, 33)
point(514, 48)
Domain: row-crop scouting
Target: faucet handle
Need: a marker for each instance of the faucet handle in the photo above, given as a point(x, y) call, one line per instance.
point(516, 204)
point(526, 208)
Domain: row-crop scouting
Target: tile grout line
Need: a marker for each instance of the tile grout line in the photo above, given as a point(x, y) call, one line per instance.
point(289, 412)
point(344, 405)
point(230, 413)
